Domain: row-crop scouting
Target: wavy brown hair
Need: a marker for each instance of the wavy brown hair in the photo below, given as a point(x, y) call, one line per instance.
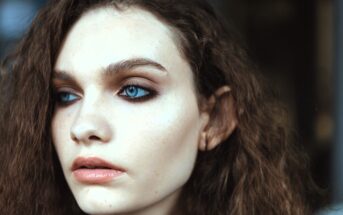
point(257, 170)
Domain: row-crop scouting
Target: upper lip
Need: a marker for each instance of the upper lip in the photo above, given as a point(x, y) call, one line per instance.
point(93, 163)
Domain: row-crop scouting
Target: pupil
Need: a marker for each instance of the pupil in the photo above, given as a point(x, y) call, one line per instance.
point(132, 91)
point(64, 96)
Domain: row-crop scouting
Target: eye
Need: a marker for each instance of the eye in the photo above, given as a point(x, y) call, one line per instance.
point(65, 98)
point(134, 92)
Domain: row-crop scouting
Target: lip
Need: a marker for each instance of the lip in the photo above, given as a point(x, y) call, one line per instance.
point(93, 170)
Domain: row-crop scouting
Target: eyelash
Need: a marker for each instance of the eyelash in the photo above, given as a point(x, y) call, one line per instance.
point(59, 100)
point(149, 93)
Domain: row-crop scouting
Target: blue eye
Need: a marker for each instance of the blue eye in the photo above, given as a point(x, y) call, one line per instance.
point(134, 92)
point(66, 97)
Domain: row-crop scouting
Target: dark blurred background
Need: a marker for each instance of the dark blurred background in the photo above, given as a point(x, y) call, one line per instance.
point(292, 43)
point(290, 40)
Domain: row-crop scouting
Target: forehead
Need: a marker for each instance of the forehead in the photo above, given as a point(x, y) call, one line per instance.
point(117, 35)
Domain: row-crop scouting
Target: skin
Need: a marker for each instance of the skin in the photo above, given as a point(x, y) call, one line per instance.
point(155, 138)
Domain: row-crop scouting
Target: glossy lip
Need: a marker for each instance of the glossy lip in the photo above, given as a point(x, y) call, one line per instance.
point(93, 170)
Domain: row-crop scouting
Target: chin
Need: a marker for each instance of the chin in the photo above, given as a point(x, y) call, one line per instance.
point(100, 200)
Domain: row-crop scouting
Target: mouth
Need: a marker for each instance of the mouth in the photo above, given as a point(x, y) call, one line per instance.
point(93, 170)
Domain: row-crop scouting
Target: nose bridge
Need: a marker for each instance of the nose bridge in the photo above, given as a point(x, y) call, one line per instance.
point(90, 123)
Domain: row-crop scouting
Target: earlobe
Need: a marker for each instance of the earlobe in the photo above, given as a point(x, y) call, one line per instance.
point(203, 141)
point(222, 119)
point(205, 118)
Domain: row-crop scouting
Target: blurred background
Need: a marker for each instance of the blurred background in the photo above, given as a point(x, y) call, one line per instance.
point(292, 41)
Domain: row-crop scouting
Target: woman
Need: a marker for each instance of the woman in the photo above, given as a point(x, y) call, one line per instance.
point(141, 107)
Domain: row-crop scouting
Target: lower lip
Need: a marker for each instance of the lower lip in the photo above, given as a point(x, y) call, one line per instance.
point(96, 176)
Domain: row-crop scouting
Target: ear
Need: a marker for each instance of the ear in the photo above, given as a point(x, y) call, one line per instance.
point(222, 119)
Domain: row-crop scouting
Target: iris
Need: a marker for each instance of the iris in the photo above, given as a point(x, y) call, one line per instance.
point(135, 92)
point(66, 97)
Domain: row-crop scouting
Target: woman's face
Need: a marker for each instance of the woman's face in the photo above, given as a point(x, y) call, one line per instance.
point(126, 124)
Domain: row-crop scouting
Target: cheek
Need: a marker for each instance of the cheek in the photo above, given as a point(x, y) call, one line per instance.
point(163, 141)
point(60, 130)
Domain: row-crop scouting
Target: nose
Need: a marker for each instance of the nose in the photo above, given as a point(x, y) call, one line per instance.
point(90, 128)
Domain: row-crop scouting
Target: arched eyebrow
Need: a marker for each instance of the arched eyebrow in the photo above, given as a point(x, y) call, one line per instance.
point(128, 65)
point(111, 70)
point(63, 76)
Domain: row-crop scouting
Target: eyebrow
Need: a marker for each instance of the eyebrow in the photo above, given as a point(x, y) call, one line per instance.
point(63, 76)
point(114, 68)
point(128, 65)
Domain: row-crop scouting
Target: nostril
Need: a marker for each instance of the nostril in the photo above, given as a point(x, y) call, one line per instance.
point(73, 137)
point(93, 137)
point(90, 138)
point(87, 131)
